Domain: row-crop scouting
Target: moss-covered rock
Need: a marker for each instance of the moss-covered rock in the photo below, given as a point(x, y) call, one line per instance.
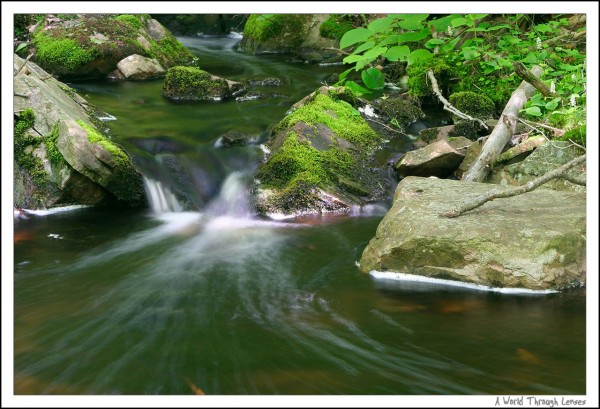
point(400, 112)
point(194, 84)
point(419, 84)
point(90, 46)
point(319, 160)
point(296, 34)
point(55, 162)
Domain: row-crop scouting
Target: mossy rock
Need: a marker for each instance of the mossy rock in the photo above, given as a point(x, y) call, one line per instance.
point(194, 84)
point(475, 105)
point(400, 111)
point(419, 84)
point(319, 159)
point(90, 46)
point(467, 129)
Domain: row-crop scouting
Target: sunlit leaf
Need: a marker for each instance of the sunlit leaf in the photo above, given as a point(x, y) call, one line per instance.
point(397, 53)
point(375, 52)
point(470, 53)
point(533, 111)
point(381, 24)
point(441, 24)
point(357, 89)
point(354, 36)
point(414, 36)
point(457, 22)
point(419, 55)
point(372, 78)
point(412, 21)
point(363, 47)
point(344, 74)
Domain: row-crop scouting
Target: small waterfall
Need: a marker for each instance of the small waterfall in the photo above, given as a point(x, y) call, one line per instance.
point(233, 198)
point(160, 197)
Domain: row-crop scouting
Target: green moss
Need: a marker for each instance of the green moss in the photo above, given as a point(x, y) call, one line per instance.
point(467, 129)
point(96, 137)
point(576, 135)
point(23, 139)
point(193, 84)
point(132, 20)
point(428, 135)
point(171, 52)
point(61, 56)
point(419, 84)
point(473, 104)
point(52, 151)
point(261, 27)
point(339, 116)
point(404, 112)
point(335, 27)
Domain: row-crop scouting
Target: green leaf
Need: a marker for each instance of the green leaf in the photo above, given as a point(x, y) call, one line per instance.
point(475, 29)
point(412, 21)
point(344, 74)
point(381, 24)
point(568, 67)
point(357, 89)
point(372, 78)
point(470, 53)
point(551, 106)
point(477, 16)
point(414, 36)
point(375, 52)
point(542, 28)
point(533, 111)
point(498, 27)
point(419, 55)
point(531, 58)
point(20, 47)
point(353, 58)
point(355, 36)
point(441, 24)
point(392, 39)
point(397, 53)
point(434, 42)
point(457, 22)
point(363, 47)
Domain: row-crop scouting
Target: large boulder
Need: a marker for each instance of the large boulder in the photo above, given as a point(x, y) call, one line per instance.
point(82, 46)
point(194, 84)
point(536, 240)
point(60, 157)
point(319, 161)
point(296, 34)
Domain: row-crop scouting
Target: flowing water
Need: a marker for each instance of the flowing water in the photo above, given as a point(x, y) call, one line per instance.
point(198, 295)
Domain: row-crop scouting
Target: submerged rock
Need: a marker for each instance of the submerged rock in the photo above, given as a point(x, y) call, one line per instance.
point(91, 45)
point(536, 240)
point(60, 157)
point(320, 159)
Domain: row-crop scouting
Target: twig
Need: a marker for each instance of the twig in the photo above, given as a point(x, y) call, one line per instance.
point(384, 125)
point(24, 63)
point(336, 49)
point(533, 80)
point(529, 186)
point(556, 132)
point(447, 105)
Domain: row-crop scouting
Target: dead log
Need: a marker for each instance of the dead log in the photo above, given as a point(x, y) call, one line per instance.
point(502, 132)
point(525, 146)
point(533, 80)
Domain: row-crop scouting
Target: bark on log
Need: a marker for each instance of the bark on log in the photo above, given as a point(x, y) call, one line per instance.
point(502, 132)
point(528, 187)
point(533, 80)
point(525, 146)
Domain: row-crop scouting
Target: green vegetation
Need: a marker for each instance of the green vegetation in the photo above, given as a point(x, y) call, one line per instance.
point(475, 53)
point(96, 137)
point(473, 104)
point(52, 151)
point(22, 141)
point(61, 56)
point(400, 111)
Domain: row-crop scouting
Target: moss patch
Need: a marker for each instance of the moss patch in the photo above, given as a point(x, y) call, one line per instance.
point(418, 82)
point(576, 135)
point(96, 137)
point(192, 83)
point(473, 104)
point(336, 26)
point(403, 112)
point(130, 19)
point(52, 151)
point(23, 156)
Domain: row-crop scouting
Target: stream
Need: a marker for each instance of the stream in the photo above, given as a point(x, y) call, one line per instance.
point(196, 294)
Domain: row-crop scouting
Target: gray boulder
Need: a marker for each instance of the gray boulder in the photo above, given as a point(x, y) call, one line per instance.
point(60, 157)
point(439, 159)
point(137, 67)
point(536, 240)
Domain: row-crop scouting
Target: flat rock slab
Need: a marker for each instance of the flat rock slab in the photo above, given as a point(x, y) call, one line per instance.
point(536, 240)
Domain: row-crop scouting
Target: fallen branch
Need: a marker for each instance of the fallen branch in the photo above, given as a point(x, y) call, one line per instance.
point(384, 125)
point(555, 131)
point(526, 146)
point(533, 80)
point(447, 105)
point(502, 132)
point(528, 187)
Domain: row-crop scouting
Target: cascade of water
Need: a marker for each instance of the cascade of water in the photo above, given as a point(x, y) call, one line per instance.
point(160, 197)
point(232, 200)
